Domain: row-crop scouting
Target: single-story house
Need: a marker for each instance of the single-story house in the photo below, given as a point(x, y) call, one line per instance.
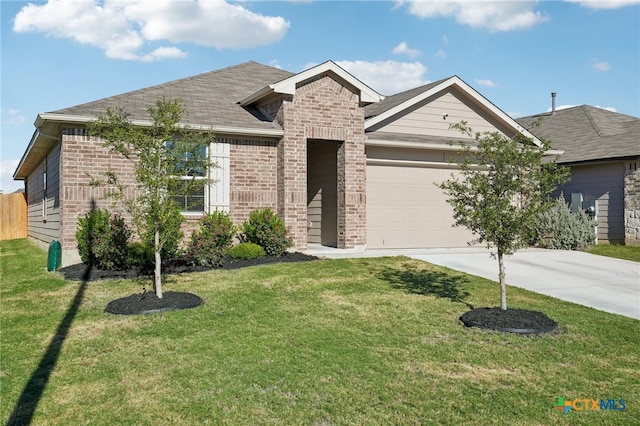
point(343, 165)
point(602, 149)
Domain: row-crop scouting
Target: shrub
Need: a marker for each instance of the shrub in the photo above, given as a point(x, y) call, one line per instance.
point(172, 232)
point(140, 254)
point(210, 242)
point(266, 229)
point(560, 228)
point(103, 239)
point(91, 225)
point(246, 251)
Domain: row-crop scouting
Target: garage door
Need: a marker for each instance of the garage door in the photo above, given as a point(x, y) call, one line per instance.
point(406, 210)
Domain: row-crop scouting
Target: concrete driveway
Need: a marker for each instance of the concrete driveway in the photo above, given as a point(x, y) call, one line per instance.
point(603, 283)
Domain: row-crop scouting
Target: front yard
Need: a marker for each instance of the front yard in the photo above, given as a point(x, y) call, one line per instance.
point(326, 342)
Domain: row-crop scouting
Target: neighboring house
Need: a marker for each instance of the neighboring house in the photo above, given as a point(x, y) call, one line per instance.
point(602, 148)
point(341, 164)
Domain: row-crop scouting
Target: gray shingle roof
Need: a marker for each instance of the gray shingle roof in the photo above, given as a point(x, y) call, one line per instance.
point(210, 98)
point(587, 133)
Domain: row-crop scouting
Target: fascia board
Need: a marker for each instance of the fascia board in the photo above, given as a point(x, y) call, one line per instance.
point(288, 85)
point(257, 95)
point(455, 80)
point(227, 130)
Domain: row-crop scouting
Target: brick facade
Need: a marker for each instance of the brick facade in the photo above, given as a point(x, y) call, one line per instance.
point(323, 109)
point(81, 160)
point(262, 173)
point(632, 203)
point(254, 170)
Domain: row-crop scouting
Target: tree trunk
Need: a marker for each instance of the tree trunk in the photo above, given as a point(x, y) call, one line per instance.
point(503, 284)
point(158, 266)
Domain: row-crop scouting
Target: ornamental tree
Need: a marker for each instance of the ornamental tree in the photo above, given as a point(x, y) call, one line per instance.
point(170, 162)
point(503, 185)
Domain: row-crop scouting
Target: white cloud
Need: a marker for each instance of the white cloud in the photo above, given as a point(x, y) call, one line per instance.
point(491, 15)
point(612, 109)
point(13, 117)
point(440, 54)
point(485, 82)
point(7, 184)
point(600, 65)
point(559, 107)
point(387, 77)
point(404, 49)
point(123, 27)
point(605, 4)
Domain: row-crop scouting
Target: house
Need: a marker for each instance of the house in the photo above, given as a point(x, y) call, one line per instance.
point(343, 165)
point(602, 149)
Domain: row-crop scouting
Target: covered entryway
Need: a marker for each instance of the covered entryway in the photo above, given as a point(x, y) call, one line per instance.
point(406, 210)
point(322, 192)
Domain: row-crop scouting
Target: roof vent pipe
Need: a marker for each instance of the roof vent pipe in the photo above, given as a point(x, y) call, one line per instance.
point(553, 103)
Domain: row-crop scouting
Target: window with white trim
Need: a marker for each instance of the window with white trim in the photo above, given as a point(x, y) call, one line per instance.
point(189, 187)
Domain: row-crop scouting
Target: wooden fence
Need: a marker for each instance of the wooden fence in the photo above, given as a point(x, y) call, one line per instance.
point(13, 216)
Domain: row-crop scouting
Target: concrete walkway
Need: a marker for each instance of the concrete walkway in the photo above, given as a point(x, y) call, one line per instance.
point(603, 283)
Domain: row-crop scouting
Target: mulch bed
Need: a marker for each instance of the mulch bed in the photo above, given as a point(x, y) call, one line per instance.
point(148, 302)
point(519, 321)
point(79, 271)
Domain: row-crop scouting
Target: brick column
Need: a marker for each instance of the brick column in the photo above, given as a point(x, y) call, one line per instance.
point(323, 109)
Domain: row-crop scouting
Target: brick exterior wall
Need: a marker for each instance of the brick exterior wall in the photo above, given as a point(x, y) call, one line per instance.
point(81, 159)
point(323, 109)
point(262, 173)
point(632, 203)
point(254, 171)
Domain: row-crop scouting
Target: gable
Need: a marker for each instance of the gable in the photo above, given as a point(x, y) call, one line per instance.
point(435, 115)
point(430, 110)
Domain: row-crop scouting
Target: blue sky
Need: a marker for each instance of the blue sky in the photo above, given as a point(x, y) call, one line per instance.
point(62, 53)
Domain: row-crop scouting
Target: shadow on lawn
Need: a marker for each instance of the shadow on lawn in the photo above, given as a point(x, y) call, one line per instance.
point(417, 281)
point(30, 397)
point(32, 393)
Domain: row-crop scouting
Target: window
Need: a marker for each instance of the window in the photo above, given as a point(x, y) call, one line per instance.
point(189, 187)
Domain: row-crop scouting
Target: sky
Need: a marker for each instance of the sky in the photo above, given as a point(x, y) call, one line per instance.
point(60, 53)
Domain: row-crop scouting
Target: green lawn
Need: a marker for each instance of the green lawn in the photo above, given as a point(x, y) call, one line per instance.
point(329, 342)
point(615, 250)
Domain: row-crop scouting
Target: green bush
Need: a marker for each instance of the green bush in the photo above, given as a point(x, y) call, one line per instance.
point(140, 254)
point(560, 228)
point(103, 239)
point(246, 251)
point(266, 229)
point(210, 242)
point(173, 234)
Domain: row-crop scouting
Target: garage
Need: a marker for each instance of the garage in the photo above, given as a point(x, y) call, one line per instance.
point(406, 210)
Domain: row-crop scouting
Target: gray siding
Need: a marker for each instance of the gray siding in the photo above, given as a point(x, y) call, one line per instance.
point(43, 224)
point(604, 183)
point(322, 186)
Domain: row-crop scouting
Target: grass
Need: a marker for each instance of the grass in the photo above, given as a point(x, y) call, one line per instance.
point(329, 342)
point(616, 250)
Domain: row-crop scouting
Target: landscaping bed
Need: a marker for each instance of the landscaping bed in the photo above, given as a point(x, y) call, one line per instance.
point(81, 272)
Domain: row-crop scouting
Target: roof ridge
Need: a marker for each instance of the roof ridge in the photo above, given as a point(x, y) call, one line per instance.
point(592, 120)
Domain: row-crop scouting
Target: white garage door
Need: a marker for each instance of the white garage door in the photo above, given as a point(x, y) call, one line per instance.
point(406, 210)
